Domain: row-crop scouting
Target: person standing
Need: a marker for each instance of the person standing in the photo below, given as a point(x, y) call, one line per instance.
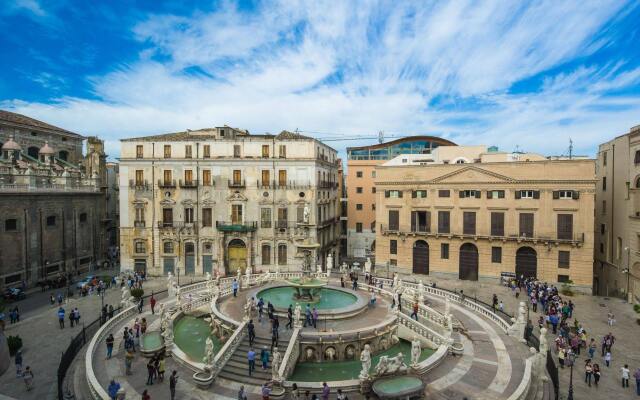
point(242, 395)
point(234, 286)
point(592, 348)
point(307, 315)
point(588, 372)
point(251, 358)
point(290, 317)
point(173, 380)
point(61, 317)
point(152, 302)
point(325, 391)
point(27, 375)
point(161, 369)
point(112, 390)
point(251, 330)
point(264, 357)
point(110, 340)
point(596, 374)
point(128, 361)
point(151, 369)
point(140, 305)
point(636, 375)
point(624, 374)
point(314, 314)
point(18, 361)
point(607, 358)
point(414, 313)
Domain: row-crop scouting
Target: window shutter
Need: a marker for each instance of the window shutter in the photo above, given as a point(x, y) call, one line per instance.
point(414, 194)
point(478, 194)
point(501, 194)
point(399, 193)
point(536, 194)
point(517, 194)
point(428, 221)
point(489, 195)
point(462, 194)
point(556, 194)
point(386, 193)
point(575, 195)
point(414, 217)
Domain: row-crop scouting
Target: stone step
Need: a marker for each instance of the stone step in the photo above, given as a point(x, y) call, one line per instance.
point(242, 370)
point(243, 379)
point(244, 364)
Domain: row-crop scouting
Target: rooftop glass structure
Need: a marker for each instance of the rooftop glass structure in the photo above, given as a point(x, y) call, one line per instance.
point(388, 150)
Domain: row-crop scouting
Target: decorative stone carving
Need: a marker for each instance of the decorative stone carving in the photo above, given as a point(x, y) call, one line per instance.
point(297, 321)
point(125, 299)
point(305, 214)
point(416, 350)
point(367, 266)
point(519, 325)
point(330, 354)
point(208, 351)
point(276, 360)
point(365, 359)
point(171, 285)
point(420, 291)
point(390, 366)
point(247, 309)
point(329, 262)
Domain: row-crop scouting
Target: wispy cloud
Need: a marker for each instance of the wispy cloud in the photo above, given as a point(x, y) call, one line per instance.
point(357, 68)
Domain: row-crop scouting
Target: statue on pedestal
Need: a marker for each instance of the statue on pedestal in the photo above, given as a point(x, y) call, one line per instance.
point(125, 299)
point(171, 285)
point(395, 279)
point(305, 214)
point(247, 309)
point(329, 262)
point(420, 291)
point(367, 266)
point(275, 365)
point(365, 359)
point(297, 321)
point(208, 351)
point(416, 351)
point(447, 306)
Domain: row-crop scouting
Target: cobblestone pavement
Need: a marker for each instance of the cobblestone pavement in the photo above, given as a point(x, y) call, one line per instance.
point(44, 341)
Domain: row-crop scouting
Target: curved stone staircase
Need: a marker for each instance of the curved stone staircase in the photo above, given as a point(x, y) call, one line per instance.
point(237, 368)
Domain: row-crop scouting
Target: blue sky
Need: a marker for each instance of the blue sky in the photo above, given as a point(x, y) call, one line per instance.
point(530, 74)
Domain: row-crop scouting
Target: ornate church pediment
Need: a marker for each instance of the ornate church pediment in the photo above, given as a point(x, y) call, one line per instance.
point(472, 174)
point(237, 196)
point(167, 202)
point(208, 202)
point(188, 203)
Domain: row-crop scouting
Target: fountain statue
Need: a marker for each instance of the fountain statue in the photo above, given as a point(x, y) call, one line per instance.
point(393, 365)
point(171, 285)
point(297, 321)
point(305, 214)
point(167, 329)
point(178, 298)
point(125, 300)
point(307, 287)
point(396, 301)
point(415, 351)
point(276, 360)
point(162, 313)
point(208, 351)
point(247, 309)
point(447, 306)
point(239, 277)
point(329, 262)
point(248, 275)
point(395, 279)
point(343, 267)
point(365, 359)
point(420, 291)
point(449, 322)
point(367, 266)
point(208, 276)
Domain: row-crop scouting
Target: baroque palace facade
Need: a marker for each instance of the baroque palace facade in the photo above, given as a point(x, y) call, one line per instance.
point(494, 213)
point(221, 199)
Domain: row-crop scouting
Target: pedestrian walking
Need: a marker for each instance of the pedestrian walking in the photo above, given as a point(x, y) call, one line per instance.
point(251, 359)
point(636, 375)
point(588, 372)
point(161, 369)
point(61, 317)
point(110, 340)
point(113, 388)
point(596, 374)
point(140, 305)
point(150, 372)
point(610, 318)
point(173, 380)
point(289, 317)
point(325, 391)
point(242, 395)
point(265, 390)
point(414, 313)
point(27, 375)
point(264, 357)
point(624, 374)
point(592, 348)
point(18, 361)
point(251, 330)
point(152, 302)
point(607, 358)
point(128, 361)
point(234, 286)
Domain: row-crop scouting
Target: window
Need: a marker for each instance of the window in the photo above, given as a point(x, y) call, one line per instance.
point(563, 259)
point(496, 255)
point(393, 262)
point(601, 248)
point(83, 217)
point(604, 206)
point(266, 254)
point(565, 226)
point(373, 189)
point(604, 159)
point(444, 193)
point(140, 247)
point(636, 157)
point(419, 194)
point(469, 223)
point(167, 216)
point(602, 229)
point(139, 177)
point(265, 151)
point(394, 194)
point(444, 251)
point(139, 221)
point(282, 254)
point(393, 247)
point(237, 177)
point(359, 189)
point(300, 214)
point(207, 217)
point(420, 221)
point(444, 222)
point(282, 177)
point(167, 247)
point(604, 183)
point(526, 224)
point(266, 177)
point(188, 177)
point(358, 174)
point(373, 174)
point(236, 213)
point(265, 218)
point(527, 194)
point(206, 151)
point(618, 248)
point(282, 217)
point(564, 278)
point(372, 226)
point(188, 151)
point(497, 224)
point(221, 132)
point(139, 151)
point(11, 225)
point(373, 206)
point(51, 220)
point(470, 193)
point(495, 194)
point(394, 220)
point(206, 177)
point(566, 194)
point(188, 215)
point(282, 151)
point(358, 206)
point(167, 151)
point(167, 177)
point(358, 227)
point(236, 151)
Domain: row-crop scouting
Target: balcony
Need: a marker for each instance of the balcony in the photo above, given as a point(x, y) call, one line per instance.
point(327, 185)
point(193, 184)
point(177, 227)
point(282, 185)
point(142, 186)
point(282, 224)
point(234, 184)
point(167, 184)
point(247, 226)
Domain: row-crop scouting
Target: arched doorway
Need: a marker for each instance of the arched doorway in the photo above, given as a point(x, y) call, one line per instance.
point(421, 257)
point(189, 258)
point(33, 152)
point(468, 267)
point(526, 263)
point(236, 257)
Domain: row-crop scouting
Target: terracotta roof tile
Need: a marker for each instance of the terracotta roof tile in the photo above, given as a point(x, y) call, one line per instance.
point(14, 118)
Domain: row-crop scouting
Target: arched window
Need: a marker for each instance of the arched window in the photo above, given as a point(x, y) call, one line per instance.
point(63, 155)
point(266, 254)
point(459, 161)
point(637, 183)
point(282, 254)
point(167, 247)
point(33, 152)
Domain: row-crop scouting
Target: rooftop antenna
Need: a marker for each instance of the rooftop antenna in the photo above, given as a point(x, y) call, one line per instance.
point(570, 148)
point(380, 136)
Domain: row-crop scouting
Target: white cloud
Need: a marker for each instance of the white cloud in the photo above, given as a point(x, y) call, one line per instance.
point(360, 68)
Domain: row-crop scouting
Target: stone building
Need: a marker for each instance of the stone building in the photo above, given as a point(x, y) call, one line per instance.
point(361, 207)
point(478, 220)
point(51, 209)
point(617, 238)
point(221, 199)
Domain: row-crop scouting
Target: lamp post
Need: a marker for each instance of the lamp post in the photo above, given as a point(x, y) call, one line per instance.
point(571, 357)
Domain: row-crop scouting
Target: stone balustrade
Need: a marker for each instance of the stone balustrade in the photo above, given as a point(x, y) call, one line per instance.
point(424, 331)
point(227, 350)
point(291, 355)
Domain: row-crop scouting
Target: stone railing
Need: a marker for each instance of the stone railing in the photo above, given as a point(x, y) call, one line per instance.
point(193, 287)
point(522, 391)
point(230, 346)
point(291, 356)
point(343, 336)
point(97, 391)
point(424, 331)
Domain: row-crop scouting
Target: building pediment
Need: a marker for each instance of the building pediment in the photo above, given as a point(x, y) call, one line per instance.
point(472, 174)
point(188, 203)
point(237, 196)
point(167, 202)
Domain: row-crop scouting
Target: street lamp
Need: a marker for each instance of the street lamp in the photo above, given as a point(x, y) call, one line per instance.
point(571, 358)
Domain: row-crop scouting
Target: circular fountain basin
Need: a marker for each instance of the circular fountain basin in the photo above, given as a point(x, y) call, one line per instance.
point(398, 387)
point(151, 344)
point(189, 335)
point(334, 303)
